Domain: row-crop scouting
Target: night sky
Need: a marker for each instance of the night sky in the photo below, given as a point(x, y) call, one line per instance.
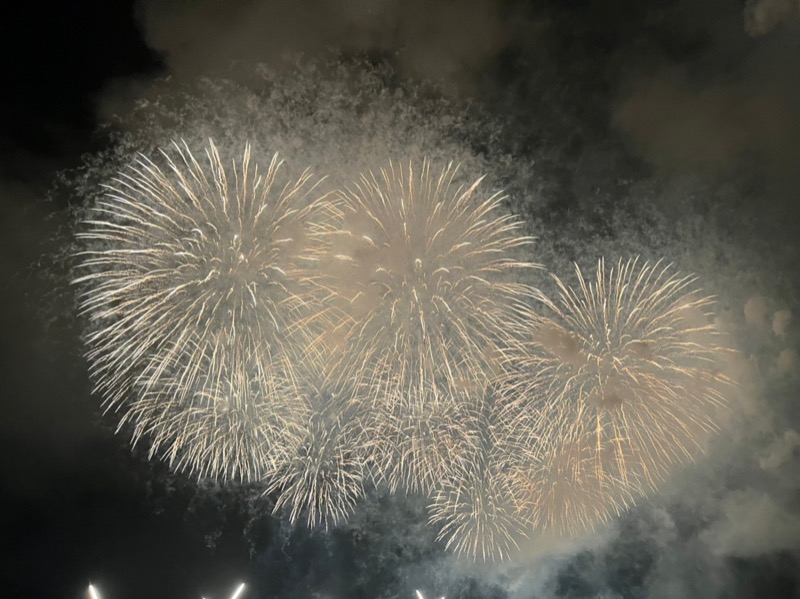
point(661, 128)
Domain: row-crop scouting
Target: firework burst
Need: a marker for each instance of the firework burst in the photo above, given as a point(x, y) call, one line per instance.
point(419, 442)
point(478, 511)
point(237, 423)
point(622, 382)
point(323, 474)
point(316, 343)
point(200, 284)
point(424, 270)
point(478, 503)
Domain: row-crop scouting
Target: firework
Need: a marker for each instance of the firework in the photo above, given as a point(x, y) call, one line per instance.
point(238, 592)
point(200, 284)
point(323, 476)
point(622, 382)
point(479, 513)
point(478, 505)
point(419, 443)
point(316, 343)
point(238, 423)
point(424, 270)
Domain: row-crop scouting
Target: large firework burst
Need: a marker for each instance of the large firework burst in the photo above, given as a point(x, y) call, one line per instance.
point(425, 270)
point(200, 284)
point(622, 381)
point(316, 343)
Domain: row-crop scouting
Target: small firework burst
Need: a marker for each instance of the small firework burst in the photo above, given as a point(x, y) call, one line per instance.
point(623, 381)
point(323, 474)
point(200, 284)
point(418, 442)
point(235, 423)
point(479, 514)
point(478, 504)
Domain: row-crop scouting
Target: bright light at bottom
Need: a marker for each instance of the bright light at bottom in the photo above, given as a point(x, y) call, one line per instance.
point(93, 594)
point(238, 591)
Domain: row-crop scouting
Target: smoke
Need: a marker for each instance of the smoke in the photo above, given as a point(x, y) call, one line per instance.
point(727, 111)
point(762, 16)
point(752, 524)
point(435, 40)
point(710, 128)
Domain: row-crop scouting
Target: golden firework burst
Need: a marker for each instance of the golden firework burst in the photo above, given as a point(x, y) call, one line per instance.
point(622, 377)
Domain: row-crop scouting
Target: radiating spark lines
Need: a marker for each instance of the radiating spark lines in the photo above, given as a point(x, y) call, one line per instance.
point(199, 286)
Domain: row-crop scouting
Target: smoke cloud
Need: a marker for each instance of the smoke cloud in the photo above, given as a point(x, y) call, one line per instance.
point(762, 16)
point(436, 40)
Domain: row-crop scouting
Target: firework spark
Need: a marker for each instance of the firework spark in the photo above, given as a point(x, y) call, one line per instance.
point(622, 382)
point(200, 284)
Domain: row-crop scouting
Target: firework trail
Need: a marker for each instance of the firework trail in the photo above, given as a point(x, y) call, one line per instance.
point(622, 380)
point(200, 283)
point(424, 268)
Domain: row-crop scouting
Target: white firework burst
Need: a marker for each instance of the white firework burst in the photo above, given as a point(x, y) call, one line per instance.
point(322, 476)
point(418, 443)
point(237, 423)
point(315, 343)
point(200, 287)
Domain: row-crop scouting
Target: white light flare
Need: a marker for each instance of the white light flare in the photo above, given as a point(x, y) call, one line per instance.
point(238, 592)
point(93, 594)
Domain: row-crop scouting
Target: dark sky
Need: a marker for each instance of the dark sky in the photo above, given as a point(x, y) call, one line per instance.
point(654, 127)
point(76, 505)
